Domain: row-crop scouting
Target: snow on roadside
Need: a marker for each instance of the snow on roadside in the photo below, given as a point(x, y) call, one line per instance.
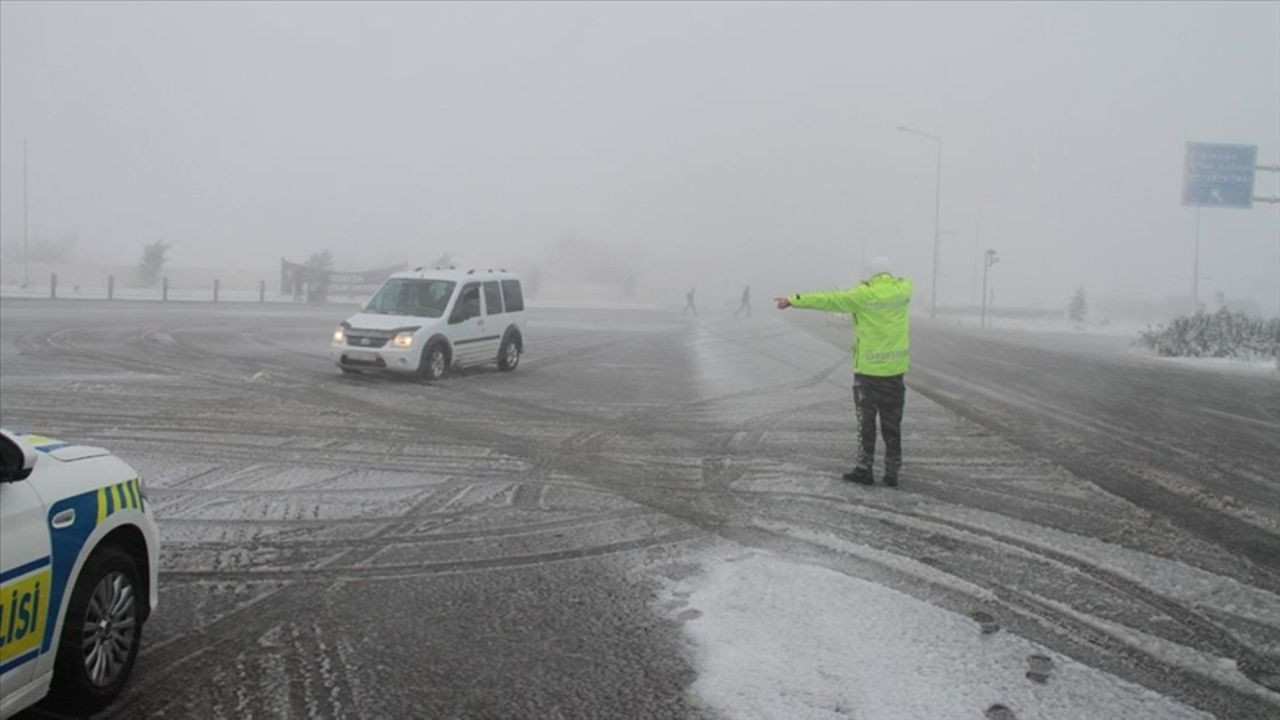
point(1045, 325)
point(779, 639)
point(1062, 327)
point(1232, 365)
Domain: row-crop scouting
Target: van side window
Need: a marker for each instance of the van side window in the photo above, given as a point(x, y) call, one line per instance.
point(468, 304)
point(492, 298)
point(515, 300)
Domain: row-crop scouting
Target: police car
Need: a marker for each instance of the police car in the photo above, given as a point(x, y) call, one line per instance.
point(426, 321)
point(78, 561)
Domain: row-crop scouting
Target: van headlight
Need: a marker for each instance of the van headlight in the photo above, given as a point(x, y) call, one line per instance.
point(338, 335)
point(403, 340)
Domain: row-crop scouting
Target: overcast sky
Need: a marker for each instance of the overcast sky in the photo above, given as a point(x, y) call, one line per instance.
point(711, 143)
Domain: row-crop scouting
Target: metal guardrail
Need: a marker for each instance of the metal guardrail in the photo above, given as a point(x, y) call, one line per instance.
point(58, 289)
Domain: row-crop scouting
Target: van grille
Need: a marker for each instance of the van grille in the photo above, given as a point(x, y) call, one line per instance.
point(368, 338)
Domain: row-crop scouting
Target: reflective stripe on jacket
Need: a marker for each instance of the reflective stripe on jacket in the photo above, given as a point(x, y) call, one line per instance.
point(881, 322)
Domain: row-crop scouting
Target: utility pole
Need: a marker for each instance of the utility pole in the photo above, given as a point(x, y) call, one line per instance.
point(989, 258)
point(26, 252)
point(937, 210)
point(937, 235)
point(977, 243)
point(1271, 200)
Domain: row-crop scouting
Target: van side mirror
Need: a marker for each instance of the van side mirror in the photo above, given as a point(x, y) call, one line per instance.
point(17, 460)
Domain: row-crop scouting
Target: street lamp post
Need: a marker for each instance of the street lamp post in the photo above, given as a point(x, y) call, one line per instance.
point(989, 258)
point(937, 210)
point(977, 243)
point(26, 253)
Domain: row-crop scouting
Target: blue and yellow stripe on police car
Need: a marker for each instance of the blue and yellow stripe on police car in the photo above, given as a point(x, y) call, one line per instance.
point(119, 497)
point(24, 612)
point(46, 444)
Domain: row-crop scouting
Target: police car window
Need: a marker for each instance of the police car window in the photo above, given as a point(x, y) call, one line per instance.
point(492, 298)
point(511, 291)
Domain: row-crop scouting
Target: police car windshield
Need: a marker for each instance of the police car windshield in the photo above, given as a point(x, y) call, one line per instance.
point(412, 296)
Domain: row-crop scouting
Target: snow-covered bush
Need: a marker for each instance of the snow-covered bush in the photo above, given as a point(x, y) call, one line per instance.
point(1223, 334)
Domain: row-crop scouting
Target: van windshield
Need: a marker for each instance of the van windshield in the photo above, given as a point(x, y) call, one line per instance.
point(412, 296)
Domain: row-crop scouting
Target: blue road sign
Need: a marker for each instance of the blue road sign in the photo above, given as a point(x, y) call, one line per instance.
point(1219, 175)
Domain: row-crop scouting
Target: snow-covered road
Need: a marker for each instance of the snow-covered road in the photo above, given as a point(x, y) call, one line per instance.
point(645, 520)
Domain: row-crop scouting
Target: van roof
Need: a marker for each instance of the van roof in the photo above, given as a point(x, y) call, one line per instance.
point(458, 274)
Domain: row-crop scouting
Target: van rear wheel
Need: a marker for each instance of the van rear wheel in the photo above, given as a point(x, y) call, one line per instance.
point(509, 353)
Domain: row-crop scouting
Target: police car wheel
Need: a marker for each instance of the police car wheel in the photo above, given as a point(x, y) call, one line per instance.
point(101, 633)
point(509, 354)
point(433, 364)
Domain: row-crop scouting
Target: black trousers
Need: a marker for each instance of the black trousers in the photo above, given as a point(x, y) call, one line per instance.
point(882, 398)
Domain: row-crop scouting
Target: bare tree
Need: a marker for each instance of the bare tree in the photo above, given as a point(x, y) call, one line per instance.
point(1079, 306)
point(322, 261)
point(152, 263)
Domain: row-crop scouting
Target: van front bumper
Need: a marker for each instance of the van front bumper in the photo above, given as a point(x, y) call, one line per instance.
point(381, 359)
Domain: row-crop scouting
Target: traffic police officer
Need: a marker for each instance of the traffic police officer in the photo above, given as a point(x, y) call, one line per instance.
point(881, 355)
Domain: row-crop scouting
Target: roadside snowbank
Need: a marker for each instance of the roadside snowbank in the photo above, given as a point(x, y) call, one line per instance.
point(777, 639)
point(1231, 365)
point(1042, 324)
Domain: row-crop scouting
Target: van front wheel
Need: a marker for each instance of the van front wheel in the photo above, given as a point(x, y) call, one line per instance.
point(434, 363)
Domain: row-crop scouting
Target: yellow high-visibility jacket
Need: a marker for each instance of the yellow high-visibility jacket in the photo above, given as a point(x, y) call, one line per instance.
point(881, 322)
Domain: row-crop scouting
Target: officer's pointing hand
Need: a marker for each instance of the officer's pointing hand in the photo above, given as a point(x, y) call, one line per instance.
point(782, 302)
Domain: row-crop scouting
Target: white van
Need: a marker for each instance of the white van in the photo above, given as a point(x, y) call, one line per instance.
point(426, 321)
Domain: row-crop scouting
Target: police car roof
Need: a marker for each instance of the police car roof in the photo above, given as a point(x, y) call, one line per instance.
point(458, 274)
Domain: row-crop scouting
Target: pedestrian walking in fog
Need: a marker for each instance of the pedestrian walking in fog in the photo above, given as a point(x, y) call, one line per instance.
point(746, 302)
point(881, 356)
point(688, 304)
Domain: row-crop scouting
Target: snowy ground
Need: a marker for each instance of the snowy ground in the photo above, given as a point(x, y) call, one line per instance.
point(1265, 368)
point(645, 520)
point(1049, 324)
point(777, 639)
point(1119, 335)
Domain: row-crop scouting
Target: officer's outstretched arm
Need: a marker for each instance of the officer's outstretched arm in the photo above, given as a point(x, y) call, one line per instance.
point(845, 302)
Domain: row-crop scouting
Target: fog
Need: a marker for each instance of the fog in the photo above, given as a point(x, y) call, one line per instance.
point(707, 144)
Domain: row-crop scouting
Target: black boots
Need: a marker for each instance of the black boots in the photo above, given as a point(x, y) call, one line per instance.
point(863, 476)
point(859, 475)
